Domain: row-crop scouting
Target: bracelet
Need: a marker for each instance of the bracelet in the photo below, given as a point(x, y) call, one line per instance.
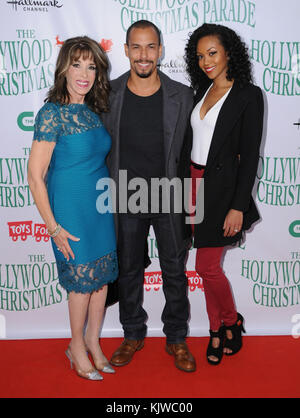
point(55, 232)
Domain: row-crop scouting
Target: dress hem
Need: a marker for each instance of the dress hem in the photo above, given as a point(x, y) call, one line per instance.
point(88, 277)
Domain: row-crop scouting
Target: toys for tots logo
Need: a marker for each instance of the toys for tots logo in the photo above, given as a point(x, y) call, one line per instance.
point(153, 279)
point(32, 285)
point(24, 229)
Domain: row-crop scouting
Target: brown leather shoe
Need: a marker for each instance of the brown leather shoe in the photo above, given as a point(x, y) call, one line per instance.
point(125, 352)
point(184, 360)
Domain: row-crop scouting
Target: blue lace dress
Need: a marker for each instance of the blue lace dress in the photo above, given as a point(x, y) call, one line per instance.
point(77, 163)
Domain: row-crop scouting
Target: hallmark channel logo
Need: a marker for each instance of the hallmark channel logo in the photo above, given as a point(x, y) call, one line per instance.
point(174, 65)
point(34, 5)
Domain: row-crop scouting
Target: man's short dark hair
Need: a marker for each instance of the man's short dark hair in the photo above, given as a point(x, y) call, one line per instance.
point(142, 24)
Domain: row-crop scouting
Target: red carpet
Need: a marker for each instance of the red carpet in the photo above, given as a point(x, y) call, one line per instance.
point(267, 367)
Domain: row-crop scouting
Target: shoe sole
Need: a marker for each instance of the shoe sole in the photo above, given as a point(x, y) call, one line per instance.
point(213, 363)
point(232, 353)
point(126, 362)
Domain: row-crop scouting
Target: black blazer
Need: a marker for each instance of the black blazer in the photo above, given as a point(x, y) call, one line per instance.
point(231, 164)
point(177, 107)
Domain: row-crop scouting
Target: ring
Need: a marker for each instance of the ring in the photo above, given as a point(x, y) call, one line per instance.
point(236, 230)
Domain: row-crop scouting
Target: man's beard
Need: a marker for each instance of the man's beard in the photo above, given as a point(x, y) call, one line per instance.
point(144, 75)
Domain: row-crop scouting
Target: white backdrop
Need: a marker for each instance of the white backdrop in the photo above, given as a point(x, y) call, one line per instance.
point(264, 272)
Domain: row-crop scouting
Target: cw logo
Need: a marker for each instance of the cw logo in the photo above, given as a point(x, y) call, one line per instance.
point(294, 229)
point(26, 121)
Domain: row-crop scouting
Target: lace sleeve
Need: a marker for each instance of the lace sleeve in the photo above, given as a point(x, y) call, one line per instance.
point(47, 125)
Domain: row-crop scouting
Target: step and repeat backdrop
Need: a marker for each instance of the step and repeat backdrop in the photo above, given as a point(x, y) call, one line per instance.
point(264, 271)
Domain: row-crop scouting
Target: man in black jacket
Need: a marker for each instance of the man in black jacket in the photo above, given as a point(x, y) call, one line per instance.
point(147, 122)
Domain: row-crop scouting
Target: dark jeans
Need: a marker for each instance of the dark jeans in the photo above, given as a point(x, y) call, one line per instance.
point(133, 233)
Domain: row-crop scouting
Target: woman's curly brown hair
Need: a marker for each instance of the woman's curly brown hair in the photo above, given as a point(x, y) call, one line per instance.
point(239, 65)
point(72, 50)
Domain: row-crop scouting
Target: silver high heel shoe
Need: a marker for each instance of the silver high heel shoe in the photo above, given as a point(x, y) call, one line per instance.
point(106, 368)
point(92, 375)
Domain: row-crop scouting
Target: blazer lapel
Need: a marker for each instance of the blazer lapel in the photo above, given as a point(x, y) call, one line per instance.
point(229, 113)
point(171, 108)
point(200, 93)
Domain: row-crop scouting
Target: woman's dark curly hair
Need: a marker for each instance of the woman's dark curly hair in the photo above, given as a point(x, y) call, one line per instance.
point(239, 65)
point(72, 50)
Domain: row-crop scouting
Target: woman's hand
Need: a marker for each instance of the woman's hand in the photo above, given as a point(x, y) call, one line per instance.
point(62, 243)
point(233, 222)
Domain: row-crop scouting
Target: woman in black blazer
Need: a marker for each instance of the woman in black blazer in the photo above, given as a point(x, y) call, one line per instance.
point(227, 123)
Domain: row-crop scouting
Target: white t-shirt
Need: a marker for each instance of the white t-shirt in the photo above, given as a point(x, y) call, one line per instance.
point(203, 129)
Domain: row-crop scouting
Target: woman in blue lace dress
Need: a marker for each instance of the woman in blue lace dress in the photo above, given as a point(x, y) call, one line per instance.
point(67, 159)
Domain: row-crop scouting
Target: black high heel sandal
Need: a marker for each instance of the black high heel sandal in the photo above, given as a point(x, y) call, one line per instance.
point(235, 343)
point(216, 352)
